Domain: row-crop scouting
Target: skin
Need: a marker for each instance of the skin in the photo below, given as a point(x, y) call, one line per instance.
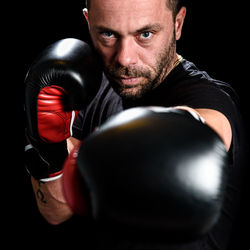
point(137, 42)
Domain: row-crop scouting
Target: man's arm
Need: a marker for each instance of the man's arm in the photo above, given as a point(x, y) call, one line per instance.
point(50, 201)
point(217, 121)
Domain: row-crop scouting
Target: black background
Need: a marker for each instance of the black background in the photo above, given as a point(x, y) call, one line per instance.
point(214, 38)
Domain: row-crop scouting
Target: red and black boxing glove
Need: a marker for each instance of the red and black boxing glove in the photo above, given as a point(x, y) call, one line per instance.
point(64, 78)
point(53, 119)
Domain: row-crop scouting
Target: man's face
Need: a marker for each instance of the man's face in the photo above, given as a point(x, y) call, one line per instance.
point(137, 41)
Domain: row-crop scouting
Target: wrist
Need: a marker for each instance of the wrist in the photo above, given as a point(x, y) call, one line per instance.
point(51, 201)
point(193, 112)
point(53, 176)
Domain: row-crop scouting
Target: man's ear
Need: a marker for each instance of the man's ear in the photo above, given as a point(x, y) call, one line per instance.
point(86, 14)
point(179, 21)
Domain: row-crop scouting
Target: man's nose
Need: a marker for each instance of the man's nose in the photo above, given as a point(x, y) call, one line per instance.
point(126, 52)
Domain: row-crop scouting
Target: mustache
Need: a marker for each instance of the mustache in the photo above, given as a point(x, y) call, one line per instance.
point(118, 71)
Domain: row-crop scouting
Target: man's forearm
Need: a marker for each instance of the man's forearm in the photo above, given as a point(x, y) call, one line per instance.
point(51, 201)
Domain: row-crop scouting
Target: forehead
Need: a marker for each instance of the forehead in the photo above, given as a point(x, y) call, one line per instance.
point(120, 14)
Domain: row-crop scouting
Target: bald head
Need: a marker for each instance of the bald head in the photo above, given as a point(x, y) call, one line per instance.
point(173, 5)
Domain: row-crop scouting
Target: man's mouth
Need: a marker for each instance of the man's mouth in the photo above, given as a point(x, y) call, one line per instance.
point(128, 80)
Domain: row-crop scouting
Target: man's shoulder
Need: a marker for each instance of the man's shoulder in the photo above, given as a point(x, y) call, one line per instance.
point(188, 74)
point(192, 73)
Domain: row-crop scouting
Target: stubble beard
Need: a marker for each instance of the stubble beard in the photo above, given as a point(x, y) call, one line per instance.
point(151, 78)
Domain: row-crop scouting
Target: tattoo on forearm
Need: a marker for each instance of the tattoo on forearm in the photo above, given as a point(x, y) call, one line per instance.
point(39, 194)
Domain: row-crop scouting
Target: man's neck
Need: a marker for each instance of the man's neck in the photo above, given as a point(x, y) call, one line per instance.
point(176, 60)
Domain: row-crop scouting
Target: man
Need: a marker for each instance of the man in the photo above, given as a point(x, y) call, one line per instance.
point(136, 40)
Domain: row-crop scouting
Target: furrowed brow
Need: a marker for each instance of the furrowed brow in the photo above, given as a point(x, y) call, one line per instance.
point(150, 27)
point(101, 28)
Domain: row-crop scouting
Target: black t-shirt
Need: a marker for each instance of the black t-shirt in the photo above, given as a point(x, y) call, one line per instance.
point(185, 85)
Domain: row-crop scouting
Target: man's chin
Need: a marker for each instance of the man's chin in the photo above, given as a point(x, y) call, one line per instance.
point(132, 93)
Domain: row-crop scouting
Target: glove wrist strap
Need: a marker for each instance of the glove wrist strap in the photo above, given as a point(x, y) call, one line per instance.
point(53, 177)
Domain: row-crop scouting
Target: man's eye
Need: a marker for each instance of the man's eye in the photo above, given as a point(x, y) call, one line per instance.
point(107, 34)
point(146, 35)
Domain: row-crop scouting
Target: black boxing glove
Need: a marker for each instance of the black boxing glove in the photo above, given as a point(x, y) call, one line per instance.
point(157, 170)
point(64, 78)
